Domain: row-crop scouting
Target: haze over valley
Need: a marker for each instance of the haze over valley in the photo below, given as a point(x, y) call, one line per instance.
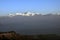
point(42, 24)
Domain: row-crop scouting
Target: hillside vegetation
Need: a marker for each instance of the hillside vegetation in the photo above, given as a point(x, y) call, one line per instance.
point(15, 36)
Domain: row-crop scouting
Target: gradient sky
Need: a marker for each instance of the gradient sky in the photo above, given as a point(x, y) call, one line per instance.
point(42, 6)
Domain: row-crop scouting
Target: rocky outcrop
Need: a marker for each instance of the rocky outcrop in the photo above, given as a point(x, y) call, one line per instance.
point(7, 35)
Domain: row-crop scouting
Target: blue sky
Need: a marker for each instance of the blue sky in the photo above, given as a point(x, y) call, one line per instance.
point(42, 6)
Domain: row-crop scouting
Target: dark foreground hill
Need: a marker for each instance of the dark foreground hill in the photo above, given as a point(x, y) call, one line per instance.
point(15, 36)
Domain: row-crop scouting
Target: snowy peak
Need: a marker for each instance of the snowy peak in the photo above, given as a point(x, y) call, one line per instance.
point(24, 14)
point(31, 14)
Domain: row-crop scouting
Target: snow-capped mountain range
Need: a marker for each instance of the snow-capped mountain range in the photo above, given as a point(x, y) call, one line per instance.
point(28, 14)
point(24, 14)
